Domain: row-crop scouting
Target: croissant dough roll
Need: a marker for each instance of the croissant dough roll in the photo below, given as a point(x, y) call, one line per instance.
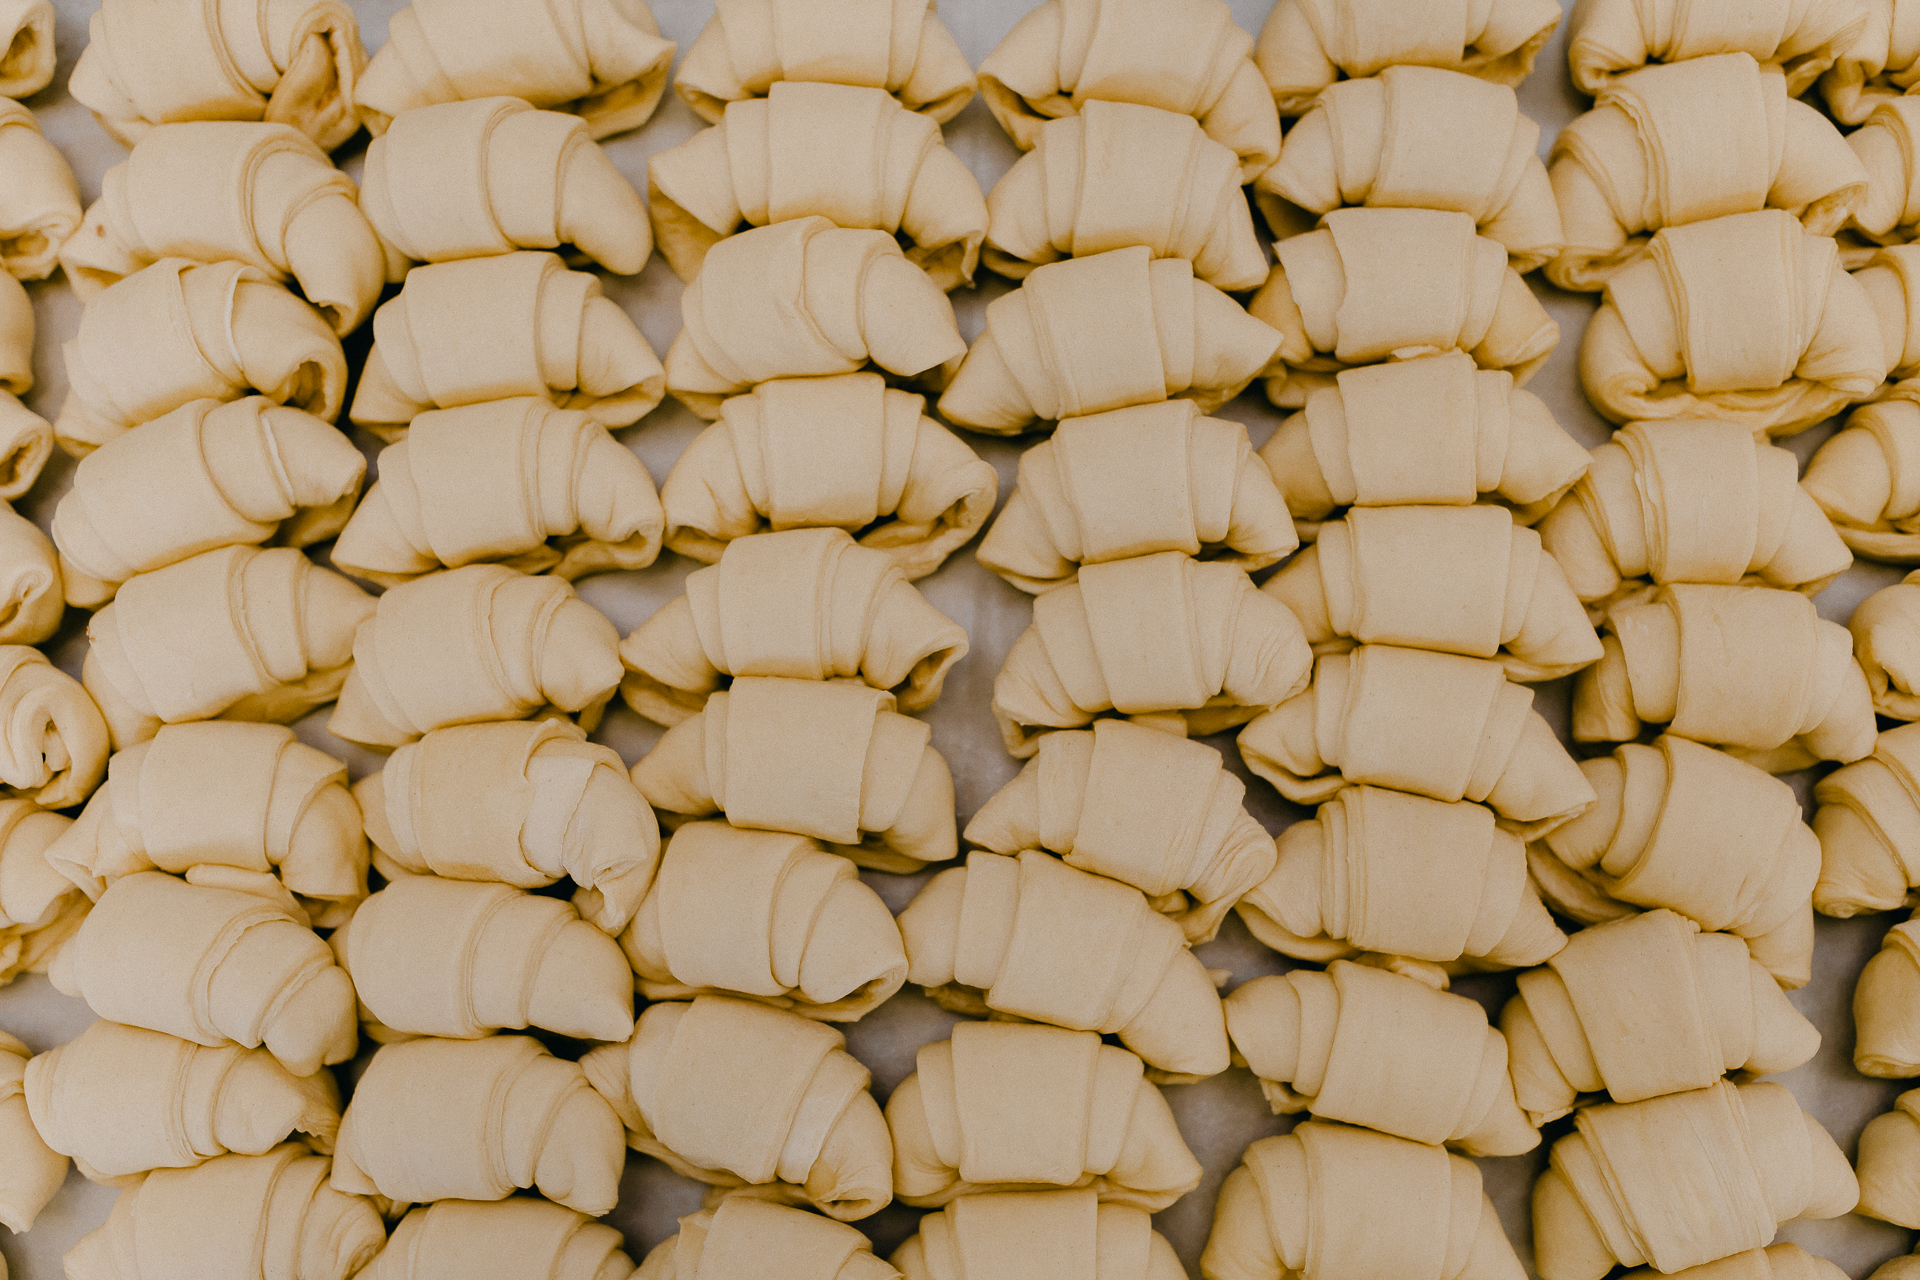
point(1866, 479)
point(1091, 334)
point(1676, 1181)
point(1885, 1042)
point(479, 643)
point(807, 604)
point(1134, 481)
point(40, 207)
point(31, 593)
point(496, 481)
point(39, 909)
point(1042, 941)
point(827, 759)
point(764, 915)
point(485, 177)
point(1868, 821)
point(845, 451)
point(1888, 1155)
point(1884, 632)
point(26, 439)
point(1775, 1262)
point(26, 54)
point(738, 1094)
point(1802, 40)
point(1877, 67)
point(733, 1240)
point(33, 1171)
point(1038, 1235)
point(520, 1238)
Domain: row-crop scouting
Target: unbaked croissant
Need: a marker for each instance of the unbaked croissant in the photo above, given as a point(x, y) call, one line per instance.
point(480, 643)
point(602, 60)
point(207, 475)
point(1877, 67)
point(1885, 1043)
point(742, 1233)
point(1676, 1181)
point(845, 451)
point(1378, 284)
point(1130, 482)
point(1091, 334)
point(1868, 821)
point(1042, 941)
point(1803, 40)
point(213, 965)
point(30, 1171)
point(1866, 479)
point(474, 1120)
point(31, 590)
point(489, 176)
point(519, 1238)
point(1116, 174)
point(1435, 724)
point(765, 915)
point(1885, 629)
point(850, 154)
point(1775, 1262)
point(805, 603)
point(521, 802)
point(827, 759)
point(1038, 1235)
point(1401, 875)
point(176, 332)
point(39, 908)
point(1889, 1163)
point(519, 481)
point(27, 28)
point(1744, 319)
point(1700, 139)
point(1745, 667)
point(26, 439)
point(40, 207)
point(738, 1094)
point(1682, 826)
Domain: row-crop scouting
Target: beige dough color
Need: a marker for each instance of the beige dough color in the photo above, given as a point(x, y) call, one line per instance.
point(1877, 67)
point(1887, 213)
point(40, 207)
point(1886, 637)
point(1886, 1041)
point(26, 438)
point(1775, 1262)
point(1614, 36)
point(26, 67)
point(39, 908)
point(1038, 1235)
point(33, 1171)
point(1866, 479)
point(520, 1238)
point(1889, 1163)
point(733, 1241)
point(31, 590)
point(1868, 821)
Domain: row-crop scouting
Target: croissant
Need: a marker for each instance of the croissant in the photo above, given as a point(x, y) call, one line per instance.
point(39, 909)
point(1668, 145)
point(844, 451)
point(1802, 40)
point(28, 29)
point(1743, 667)
point(1117, 174)
point(474, 1120)
point(1900, 1268)
point(850, 154)
point(32, 1172)
point(1775, 1262)
point(1401, 875)
point(743, 1233)
point(1867, 481)
point(496, 481)
point(1375, 284)
point(31, 592)
point(520, 802)
point(1042, 941)
point(1435, 724)
point(765, 915)
point(1690, 501)
point(479, 643)
point(750, 45)
point(1867, 818)
point(121, 1101)
point(207, 475)
point(1154, 477)
point(739, 1094)
point(1038, 1235)
point(40, 207)
point(1675, 1181)
point(475, 179)
point(807, 604)
point(1884, 1042)
point(1876, 68)
point(1884, 631)
point(1091, 334)
point(26, 439)
point(1888, 1156)
point(250, 1217)
point(519, 1238)
point(1695, 830)
point(827, 759)
point(216, 966)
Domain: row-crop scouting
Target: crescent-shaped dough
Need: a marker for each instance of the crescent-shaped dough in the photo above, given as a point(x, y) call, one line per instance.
point(845, 452)
point(31, 589)
point(40, 207)
point(1801, 39)
point(520, 1238)
point(31, 1172)
point(734, 1240)
point(1877, 67)
point(53, 741)
point(1091, 334)
point(1038, 1235)
point(39, 908)
point(1889, 1155)
point(26, 439)
point(1866, 479)
point(1775, 1262)
point(1867, 817)
point(519, 481)
point(1886, 1043)
point(1886, 633)
point(26, 53)
point(1041, 941)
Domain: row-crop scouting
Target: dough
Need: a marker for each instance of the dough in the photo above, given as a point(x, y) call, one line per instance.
point(1867, 817)
point(475, 179)
point(1885, 631)
point(284, 62)
point(53, 742)
point(738, 1094)
point(1042, 941)
point(1682, 826)
point(1743, 319)
point(1092, 334)
point(1141, 806)
point(480, 643)
point(1117, 174)
point(464, 959)
point(1153, 634)
point(207, 475)
point(31, 603)
point(1676, 1181)
point(1378, 284)
point(851, 154)
point(1776, 1262)
point(519, 1238)
point(1038, 1235)
point(475, 1119)
point(733, 1240)
point(807, 604)
point(1878, 67)
point(1005, 1106)
point(26, 439)
point(39, 908)
point(216, 966)
point(1867, 480)
point(1888, 1157)
point(520, 802)
point(32, 1171)
point(40, 207)
point(602, 60)
point(764, 915)
point(496, 481)
point(1152, 477)
point(1435, 724)
point(827, 759)
point(1885, 1042)
point(1886, 213)
point(27, 55)
point(844, 452)
point(1456, 579)
point(1803, 40)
